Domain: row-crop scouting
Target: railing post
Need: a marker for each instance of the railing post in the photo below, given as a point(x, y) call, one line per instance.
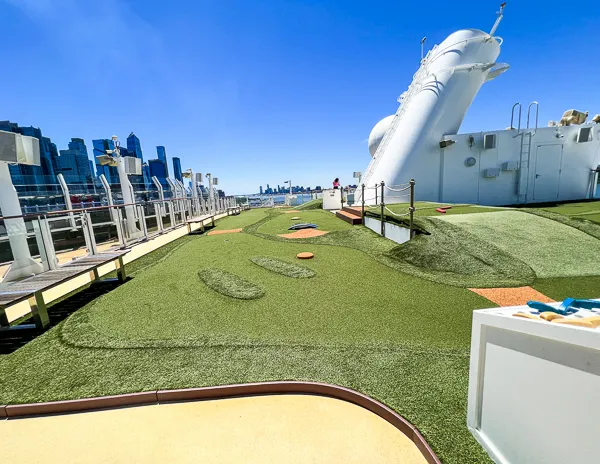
point(363, 204)
point(382, 208)
point(44, 243)
point(412, 207)
point(159, 217)
point(88, 233)
point(120, 230)
point(172, 212)
point(376, 193)
point(142, 217)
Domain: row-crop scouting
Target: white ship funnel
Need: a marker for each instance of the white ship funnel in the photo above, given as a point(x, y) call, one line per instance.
point(433, 108)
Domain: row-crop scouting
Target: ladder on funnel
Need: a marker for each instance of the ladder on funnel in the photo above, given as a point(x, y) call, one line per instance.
point(404, 99)
point(525, 152)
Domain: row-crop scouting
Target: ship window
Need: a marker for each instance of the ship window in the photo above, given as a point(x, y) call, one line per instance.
point(489, 141)
point(584, 134)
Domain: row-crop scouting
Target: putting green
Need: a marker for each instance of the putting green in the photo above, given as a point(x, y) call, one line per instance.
point(166, 305)
point(279, 224)
point(551, 249)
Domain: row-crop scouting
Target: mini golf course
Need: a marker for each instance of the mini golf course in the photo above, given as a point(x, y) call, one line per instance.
point(391, 321)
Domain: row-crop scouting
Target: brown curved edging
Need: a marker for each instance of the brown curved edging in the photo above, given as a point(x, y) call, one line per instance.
point(228, 391)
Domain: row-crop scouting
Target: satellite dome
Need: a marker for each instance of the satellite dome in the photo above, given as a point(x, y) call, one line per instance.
point(378, 132)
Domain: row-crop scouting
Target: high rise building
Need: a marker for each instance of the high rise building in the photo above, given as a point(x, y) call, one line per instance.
point(261, 189)
point(134, 147)
point(146, 174)
point(162, 155)
point(177, 169)
point(92, 168)
point(110, 172)
point(74, 163)
point(37, 177)
point(158, 169)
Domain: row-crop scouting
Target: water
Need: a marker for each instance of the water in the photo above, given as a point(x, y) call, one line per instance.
point(297, 198)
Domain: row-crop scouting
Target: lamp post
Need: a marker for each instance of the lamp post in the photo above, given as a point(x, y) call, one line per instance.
point(210, 193)
point(290, 196)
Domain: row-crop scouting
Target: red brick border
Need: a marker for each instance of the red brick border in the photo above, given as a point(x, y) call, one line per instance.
point(228, 391)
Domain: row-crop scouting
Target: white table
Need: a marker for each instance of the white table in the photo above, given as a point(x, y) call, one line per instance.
point(534, 389)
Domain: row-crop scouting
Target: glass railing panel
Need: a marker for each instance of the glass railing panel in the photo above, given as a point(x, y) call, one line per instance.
point(68, 239)
point(104, 227)
point(152, 217)
point(166, 210)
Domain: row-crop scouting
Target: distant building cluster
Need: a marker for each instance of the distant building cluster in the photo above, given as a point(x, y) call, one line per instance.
point(76, 167)
point(283, 190)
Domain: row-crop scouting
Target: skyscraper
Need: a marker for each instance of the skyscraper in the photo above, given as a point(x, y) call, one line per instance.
point(134, 147)
point(177, 169)
point(162, 155)
point(261, 190)
point(74, 162)
point(157, 168)
point(34, 175)
point(110, 172)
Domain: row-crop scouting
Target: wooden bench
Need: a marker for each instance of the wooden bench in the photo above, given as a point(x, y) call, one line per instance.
point(201, 220)
point(234, 210)
point(33, 288)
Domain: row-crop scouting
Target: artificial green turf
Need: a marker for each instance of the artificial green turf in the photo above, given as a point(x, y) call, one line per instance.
point(551, 249)
point(279, 224)
point(229, 284)
point(242, 220)
point(163, 309)
point(283, 267)
point(398, 212)
point(312, 204)
point(451, 255)
point(560, 288)
point(582, 223)
point(589, 210)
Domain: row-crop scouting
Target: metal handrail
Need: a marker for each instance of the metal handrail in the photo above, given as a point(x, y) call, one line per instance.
point(93, 208)
point(512, 117)
point(537, 113)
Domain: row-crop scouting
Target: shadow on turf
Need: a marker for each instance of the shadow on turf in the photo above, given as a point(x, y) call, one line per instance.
point(12, 340)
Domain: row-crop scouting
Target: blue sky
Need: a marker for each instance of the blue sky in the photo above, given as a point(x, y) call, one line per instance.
point(258, 92)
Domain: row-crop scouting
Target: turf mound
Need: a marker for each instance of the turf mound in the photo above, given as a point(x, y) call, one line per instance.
point(283, 267)
point(584, 223)
point(230, 285)
point(313, 204)
point(453, 256)
point(551, 248)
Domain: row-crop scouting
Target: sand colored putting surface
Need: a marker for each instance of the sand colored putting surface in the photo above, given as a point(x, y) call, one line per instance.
point(517, 296)
point(260, 429)
point(292, 211)
point(304, 233)
point(228, 231)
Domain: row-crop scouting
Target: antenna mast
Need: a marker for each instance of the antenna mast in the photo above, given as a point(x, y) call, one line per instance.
point(422, 48)
point(498, 19)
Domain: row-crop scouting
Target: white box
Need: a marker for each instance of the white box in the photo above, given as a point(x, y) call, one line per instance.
point(19, 149)
point(332, 199)
point(534, 389)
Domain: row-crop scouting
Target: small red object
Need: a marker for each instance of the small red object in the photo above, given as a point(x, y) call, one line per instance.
point(440, 210)
point(445, 207)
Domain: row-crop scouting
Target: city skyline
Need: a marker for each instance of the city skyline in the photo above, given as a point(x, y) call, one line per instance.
point(75, 164)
